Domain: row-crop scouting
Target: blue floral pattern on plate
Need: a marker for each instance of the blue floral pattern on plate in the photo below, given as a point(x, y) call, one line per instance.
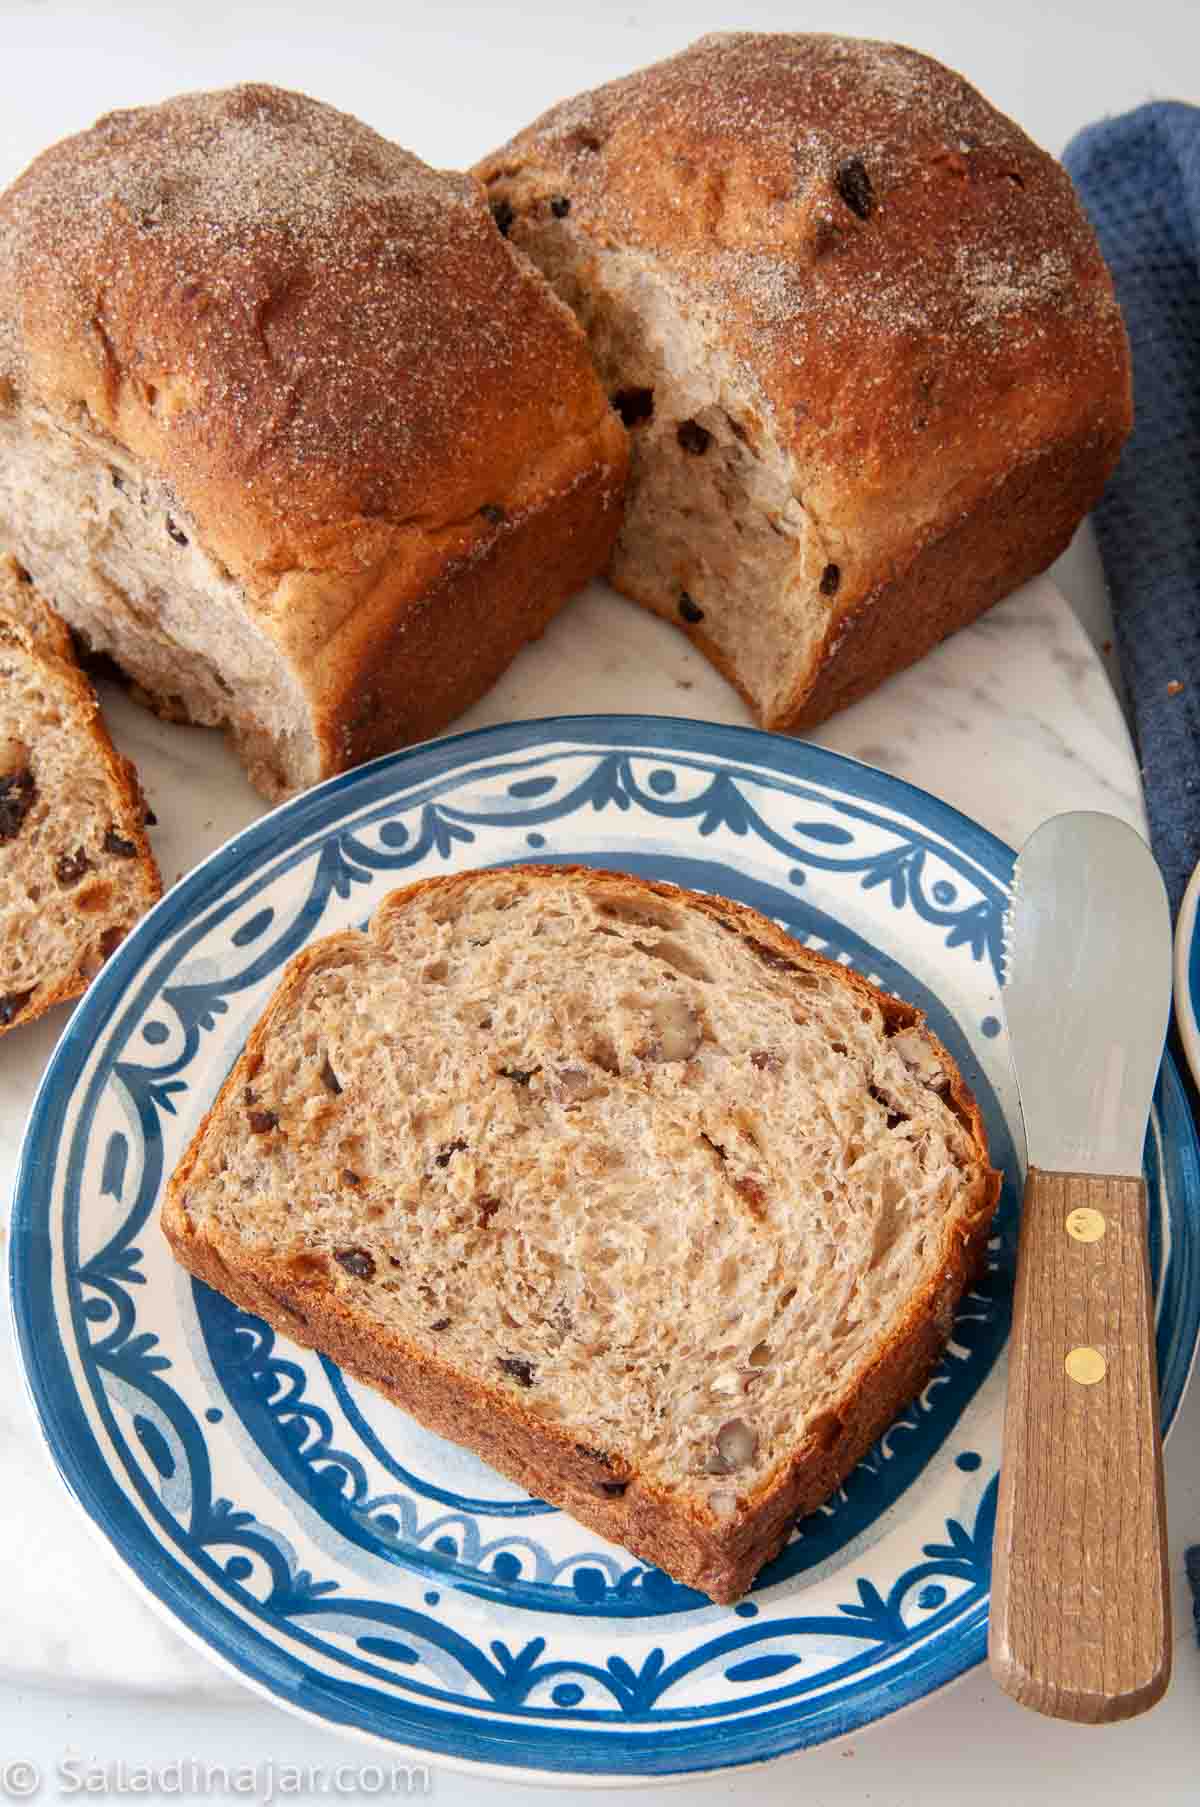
point(333, 1552)
point(1187, 976)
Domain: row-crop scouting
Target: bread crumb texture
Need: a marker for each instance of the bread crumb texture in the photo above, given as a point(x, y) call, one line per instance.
point(627, 1159)
point(76, 871)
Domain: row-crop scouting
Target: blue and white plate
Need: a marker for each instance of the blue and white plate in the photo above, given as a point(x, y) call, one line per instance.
point(1187, 975)
point(359, 1570)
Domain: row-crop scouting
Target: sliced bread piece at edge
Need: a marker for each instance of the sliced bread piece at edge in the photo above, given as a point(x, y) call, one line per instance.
point(662, 1214)
point(76, 870)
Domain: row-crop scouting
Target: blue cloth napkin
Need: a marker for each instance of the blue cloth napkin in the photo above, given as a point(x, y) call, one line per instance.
point(1139, 178)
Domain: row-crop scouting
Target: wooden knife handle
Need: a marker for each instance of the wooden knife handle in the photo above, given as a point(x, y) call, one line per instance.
point(1080, 1610)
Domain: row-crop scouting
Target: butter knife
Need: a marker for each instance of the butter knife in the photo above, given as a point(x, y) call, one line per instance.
point(1080, 1610)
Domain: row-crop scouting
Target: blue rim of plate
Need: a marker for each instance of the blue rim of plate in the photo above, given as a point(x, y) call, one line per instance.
point(1187, 976)
point(557, 1753)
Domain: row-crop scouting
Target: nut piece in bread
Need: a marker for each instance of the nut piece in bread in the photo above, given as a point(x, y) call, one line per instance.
point(662, 1214)
point(287, 428)
point(76, 870)
point(860, 331)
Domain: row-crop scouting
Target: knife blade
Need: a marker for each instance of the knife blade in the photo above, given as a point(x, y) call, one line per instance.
point(1080, 1609)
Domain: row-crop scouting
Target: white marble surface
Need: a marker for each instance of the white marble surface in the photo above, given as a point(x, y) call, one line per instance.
point(1012, 721)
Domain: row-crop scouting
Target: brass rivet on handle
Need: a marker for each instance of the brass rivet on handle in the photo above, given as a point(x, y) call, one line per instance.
point(1086, 1366)
point(1086, 1225)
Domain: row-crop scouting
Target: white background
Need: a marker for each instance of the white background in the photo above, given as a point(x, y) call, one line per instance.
point(450, 81)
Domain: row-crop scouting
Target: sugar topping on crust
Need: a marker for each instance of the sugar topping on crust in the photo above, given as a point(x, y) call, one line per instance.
point(258, 199)
point(218, 176)
point(824, 192)
point(255, 289)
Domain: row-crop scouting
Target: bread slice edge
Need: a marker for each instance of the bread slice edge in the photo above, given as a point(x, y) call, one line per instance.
point(48, 646)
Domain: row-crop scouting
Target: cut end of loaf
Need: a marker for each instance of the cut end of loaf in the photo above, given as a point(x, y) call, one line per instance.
point(128, 566)
point(715, 537)
point(668, 1208)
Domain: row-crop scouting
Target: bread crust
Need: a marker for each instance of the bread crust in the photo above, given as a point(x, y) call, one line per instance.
point(29, 623)
point(908, 294)
point(375, 414)
point(482, 603)
point(718, 1557)
point(1024, 525)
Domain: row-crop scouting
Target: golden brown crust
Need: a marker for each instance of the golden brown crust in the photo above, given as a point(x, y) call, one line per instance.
point(905, 286)
point(31, 625)
point(719, 1558)
point(1022, 526)
point(28, 616)
point(480, 604)
point(335, 361)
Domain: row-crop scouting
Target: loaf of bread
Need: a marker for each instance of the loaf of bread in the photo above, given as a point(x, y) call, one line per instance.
point(76, 870)
point(860, 331)
point(660, 1213)
point(287, 429)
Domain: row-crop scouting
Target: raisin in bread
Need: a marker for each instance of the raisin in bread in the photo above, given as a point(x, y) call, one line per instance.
point(861, 333)
point(286, 428)
point(76, 870)
point(663, 1215)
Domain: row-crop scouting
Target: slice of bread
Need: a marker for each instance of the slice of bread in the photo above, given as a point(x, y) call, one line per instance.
point(76, 870)
point(662, 1214)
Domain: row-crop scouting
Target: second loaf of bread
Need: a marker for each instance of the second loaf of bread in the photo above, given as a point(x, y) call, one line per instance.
point(862, 335)
point(286, 428)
